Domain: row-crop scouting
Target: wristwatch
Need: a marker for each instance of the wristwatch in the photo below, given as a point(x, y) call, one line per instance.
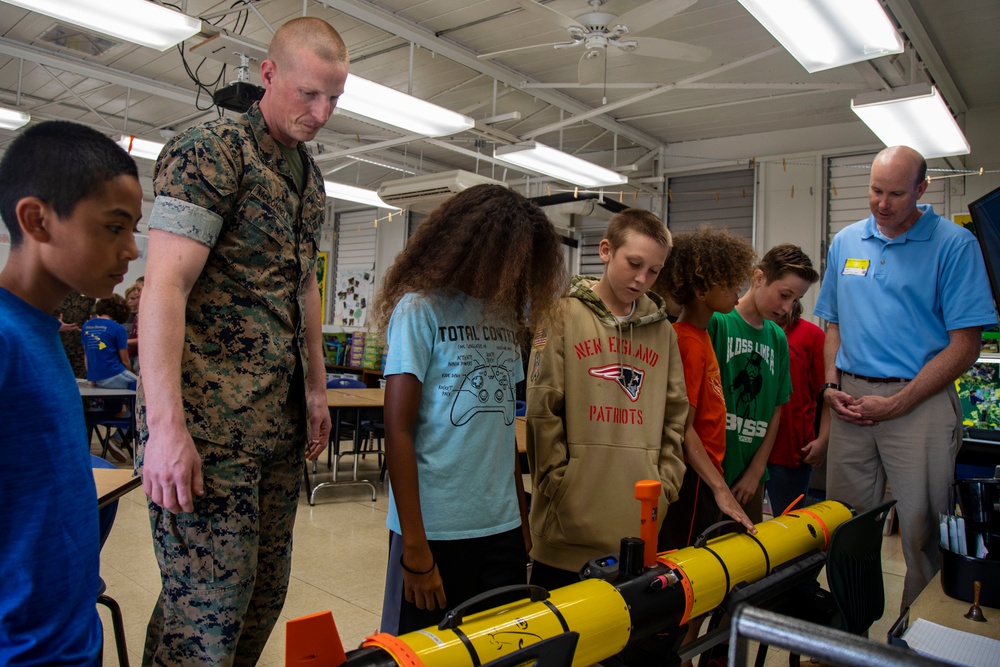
point(828, 385)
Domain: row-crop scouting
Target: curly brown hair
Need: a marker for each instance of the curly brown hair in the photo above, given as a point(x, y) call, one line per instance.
point(114, 307)
point(787, 258)
point(489, 242)
point(702, 259)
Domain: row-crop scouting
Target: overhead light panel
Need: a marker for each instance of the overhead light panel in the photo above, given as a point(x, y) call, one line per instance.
point(355, 194)
point(134, 21)
point(823, 34)
point(12, 119)
point(389, 106)
point(143, 148)
point(543, 159)
point(914, 116)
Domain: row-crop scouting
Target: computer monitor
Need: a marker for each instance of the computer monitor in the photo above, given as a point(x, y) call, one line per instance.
point(985, 213)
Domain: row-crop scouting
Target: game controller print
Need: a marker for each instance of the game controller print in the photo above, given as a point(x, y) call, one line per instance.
point(486, 388)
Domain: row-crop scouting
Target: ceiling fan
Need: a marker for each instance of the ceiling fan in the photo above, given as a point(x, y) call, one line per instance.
point(605, 35)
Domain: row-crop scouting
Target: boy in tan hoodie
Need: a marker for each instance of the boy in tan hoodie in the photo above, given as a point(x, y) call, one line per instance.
point(606, 405)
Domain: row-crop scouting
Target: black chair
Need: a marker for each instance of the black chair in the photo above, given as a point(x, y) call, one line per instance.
point(107, 520)
point(105, 420)
point(854, 575)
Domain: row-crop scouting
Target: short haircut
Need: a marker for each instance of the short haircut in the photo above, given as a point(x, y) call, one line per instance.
point(60, 163)
point(636, 220)
point(787, 258)
point(307, 33)
point(703, 259)
point(114, 307)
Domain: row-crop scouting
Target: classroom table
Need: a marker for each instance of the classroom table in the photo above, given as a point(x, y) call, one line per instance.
point(113, 483)
point(347, 399)
point(935, 606)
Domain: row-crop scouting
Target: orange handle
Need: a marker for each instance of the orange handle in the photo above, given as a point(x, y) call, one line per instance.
point(648, 493)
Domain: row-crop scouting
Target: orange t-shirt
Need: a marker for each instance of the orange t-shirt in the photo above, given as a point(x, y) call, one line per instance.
point(704, 387)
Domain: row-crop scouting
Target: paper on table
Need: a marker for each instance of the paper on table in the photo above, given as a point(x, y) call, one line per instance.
point(955, 646)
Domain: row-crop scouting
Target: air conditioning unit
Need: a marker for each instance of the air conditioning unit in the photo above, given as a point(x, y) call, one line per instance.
point(424, 193)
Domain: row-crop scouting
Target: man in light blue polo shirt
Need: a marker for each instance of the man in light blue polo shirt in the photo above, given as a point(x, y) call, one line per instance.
point(906, 296)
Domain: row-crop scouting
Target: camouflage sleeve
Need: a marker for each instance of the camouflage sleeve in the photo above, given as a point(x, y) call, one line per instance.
point(186, 219)
point(196, 183)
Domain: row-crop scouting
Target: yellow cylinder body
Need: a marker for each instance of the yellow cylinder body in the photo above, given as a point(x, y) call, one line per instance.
point(748, 558)
point(593, 607)
point(601, 612)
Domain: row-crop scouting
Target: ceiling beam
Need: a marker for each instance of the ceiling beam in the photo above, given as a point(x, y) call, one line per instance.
point(100, 72)
point(659, 90)
point(922, 42)
point(385, 20)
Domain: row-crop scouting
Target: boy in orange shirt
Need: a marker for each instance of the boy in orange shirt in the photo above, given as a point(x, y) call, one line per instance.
point(703, 275)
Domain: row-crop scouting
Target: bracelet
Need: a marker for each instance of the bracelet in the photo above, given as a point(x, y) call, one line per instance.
point(828, 385)
point(427, 571)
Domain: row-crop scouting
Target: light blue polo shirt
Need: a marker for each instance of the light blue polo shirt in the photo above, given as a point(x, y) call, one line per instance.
point(896, 299)
point(468, 365)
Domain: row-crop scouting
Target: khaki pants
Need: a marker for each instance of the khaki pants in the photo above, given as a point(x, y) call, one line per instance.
point(915, 454)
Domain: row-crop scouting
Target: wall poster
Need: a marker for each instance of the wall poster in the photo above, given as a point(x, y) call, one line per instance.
point(353, 295)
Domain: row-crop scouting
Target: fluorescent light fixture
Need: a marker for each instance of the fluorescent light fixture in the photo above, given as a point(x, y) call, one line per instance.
point(387, 105)
point(140, 147)
point(134, 21)
point(914, 116)
point(355, 194)
point(543, 159)
point(822, 34)
point(12, 119)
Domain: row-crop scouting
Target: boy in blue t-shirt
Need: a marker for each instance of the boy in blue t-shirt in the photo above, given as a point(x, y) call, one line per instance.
point(70, 198)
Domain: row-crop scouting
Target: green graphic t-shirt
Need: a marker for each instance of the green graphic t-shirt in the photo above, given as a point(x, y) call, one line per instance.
point(755, 380)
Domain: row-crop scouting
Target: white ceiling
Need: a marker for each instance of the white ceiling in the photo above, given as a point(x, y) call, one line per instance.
point(747, 85)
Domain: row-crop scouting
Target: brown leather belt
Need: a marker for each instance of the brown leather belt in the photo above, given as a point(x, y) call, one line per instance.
point(874, 380)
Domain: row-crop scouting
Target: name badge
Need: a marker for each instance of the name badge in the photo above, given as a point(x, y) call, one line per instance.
point(856, 267)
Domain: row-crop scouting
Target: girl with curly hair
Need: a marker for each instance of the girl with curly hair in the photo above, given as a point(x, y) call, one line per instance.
point(482, 269)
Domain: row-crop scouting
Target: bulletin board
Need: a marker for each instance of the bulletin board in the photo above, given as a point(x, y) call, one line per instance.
point(352, 297)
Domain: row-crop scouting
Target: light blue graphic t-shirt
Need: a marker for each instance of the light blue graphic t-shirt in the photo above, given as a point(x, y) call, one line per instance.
point(464, 437)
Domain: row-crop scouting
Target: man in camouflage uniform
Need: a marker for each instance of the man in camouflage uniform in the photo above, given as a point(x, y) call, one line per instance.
point(233, 390)
point(74, 311)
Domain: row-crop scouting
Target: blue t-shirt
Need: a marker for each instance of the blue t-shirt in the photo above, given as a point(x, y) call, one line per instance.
point(464, 437)
point(895, 300)
point(49, 536)
point(102, 340)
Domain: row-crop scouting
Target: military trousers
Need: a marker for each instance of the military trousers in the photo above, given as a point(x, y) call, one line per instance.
point(225, 566)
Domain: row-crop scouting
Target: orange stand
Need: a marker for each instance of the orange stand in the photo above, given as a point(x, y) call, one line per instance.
point(313, 641)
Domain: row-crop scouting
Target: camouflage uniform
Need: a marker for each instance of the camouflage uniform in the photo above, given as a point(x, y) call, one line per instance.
point(225, 566)
point(75, 309)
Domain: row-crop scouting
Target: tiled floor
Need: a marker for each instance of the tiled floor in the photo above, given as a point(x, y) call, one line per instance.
point(340, 550)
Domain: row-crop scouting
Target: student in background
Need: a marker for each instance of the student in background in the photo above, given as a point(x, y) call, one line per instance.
point(705, 271)
point(132, 297)
point(798, 447)
point(606, 405)
point(71, 199)
point(482, 268)
point(105, 343)
point(753, 360)
point(73, 312)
